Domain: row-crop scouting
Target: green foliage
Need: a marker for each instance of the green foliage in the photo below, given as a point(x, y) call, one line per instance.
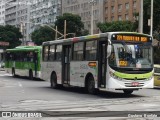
point(117, 26)
point(156, 16)
point(10, 34)
point(42, 34)
point(74, 24)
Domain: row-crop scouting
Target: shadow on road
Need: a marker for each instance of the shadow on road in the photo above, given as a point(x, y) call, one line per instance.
point(26, 78)
point(102, 94)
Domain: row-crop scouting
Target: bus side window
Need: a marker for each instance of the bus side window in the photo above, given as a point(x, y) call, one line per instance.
point(45, 53)
point(91, 50)
point(52, 53)
point(58, 52)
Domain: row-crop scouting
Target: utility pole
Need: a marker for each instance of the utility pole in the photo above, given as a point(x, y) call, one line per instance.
point(21, 30)
point(141, 17)
point(65, 27)
point(151, 28)
point(56, 34)
point(92, 3)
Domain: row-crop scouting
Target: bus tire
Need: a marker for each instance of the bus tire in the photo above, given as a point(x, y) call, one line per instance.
point(30, 75)
point(54, 81)
point(128, 92)
point(91, 85)
point(13, 72)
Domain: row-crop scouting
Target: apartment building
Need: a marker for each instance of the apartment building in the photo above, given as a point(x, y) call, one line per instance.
point(85, 9)
point(17, 14)
point(2, 12)
point(10, 12)
point(23, 16)
point(117, 10)
point(44, 12)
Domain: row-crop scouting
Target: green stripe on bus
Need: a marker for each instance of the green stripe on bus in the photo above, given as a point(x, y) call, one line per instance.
point(133, 76)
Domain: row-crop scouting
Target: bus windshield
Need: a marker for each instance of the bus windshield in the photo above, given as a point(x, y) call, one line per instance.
point(131, 56)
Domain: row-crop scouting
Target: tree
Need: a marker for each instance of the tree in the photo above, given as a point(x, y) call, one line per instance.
point(74, 24)
point(10, 34)
point(42, 34)
point(117, 26)
point(156, 16)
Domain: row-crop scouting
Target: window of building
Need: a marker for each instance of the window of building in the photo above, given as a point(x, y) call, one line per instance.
point(119, 7)
point(127, 6)
point(78, 51)
point(112, 9)
point(134, 4)
point(106, 10)
point(91, 50)
point(126, 17)
point(112, 18)
point(119, 17)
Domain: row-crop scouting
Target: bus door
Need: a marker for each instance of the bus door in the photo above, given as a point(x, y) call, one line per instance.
point(102, 64)
point(66, 64)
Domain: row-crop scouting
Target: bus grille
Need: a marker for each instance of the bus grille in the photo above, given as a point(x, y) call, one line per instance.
point(130, 85)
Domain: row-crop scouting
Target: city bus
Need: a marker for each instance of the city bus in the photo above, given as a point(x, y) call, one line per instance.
point(156, 66)
point(106, 61)
point(24, 61)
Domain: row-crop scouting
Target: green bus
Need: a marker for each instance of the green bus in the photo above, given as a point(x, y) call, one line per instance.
point(24, 61)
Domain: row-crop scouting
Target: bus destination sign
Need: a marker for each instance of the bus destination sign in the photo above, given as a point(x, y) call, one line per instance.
point(132, 38)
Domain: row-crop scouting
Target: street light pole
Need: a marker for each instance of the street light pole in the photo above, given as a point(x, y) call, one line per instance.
point(141, 17)
point(92, 2)
point(151, 29)
point(65, 27)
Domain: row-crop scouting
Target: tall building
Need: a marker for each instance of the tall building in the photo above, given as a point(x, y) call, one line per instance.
point(44, 12)
point(117, 10)
point(23, 16)
point(85, 9)
point(17, 14)
point(2, 12)
point(10, 12)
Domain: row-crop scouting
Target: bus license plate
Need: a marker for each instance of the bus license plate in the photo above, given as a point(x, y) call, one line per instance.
point(135, 83)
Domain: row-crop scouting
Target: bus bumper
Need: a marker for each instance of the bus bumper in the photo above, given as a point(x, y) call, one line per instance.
point(129, 84)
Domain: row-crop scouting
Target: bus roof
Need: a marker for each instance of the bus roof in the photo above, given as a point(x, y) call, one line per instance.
point(95, 36)
point(25, 48)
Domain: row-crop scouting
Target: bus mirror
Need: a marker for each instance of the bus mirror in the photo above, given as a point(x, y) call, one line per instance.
point(109, 50)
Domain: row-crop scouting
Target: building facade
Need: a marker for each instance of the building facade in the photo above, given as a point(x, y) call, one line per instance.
point(11, 12)
point(118, 10)
point(85, 9)
point(44, 12)
point(17, 14)
point(23, 16)
point(2, 12)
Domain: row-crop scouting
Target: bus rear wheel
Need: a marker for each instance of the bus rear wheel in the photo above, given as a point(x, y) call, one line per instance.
point(128, 92)
point(54, 81)
point(91, 86)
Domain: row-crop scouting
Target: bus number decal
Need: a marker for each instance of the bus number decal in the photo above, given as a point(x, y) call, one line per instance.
point(123, 63)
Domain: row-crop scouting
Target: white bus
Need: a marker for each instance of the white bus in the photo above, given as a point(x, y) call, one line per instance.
point(113, 60)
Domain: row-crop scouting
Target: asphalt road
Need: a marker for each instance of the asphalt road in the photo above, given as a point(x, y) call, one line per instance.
point(22, 94)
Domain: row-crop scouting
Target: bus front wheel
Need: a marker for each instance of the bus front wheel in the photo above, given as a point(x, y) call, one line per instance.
point(128, 92)
point(91, 86)
point(53, 81)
